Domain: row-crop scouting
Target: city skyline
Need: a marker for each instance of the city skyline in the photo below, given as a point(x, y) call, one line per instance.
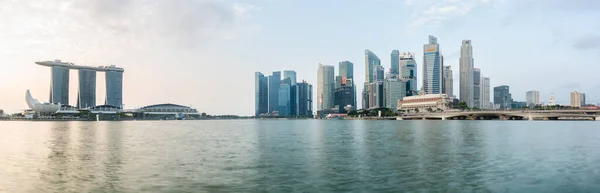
point(183, 58)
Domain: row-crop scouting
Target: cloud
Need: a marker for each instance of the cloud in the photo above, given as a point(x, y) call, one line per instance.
point(434, 12)
point(587, 42)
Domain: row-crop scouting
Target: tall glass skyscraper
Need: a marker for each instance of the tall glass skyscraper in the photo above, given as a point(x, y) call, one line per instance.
point(291, 75)
point(114, 88)
point(305, 99)
point(395, 62)
point(284, 99)
point(485, 94)
point(59, 86)
point(346, 73)
point(325, 87)
point(395, 89)
point(502, 97)
point(261, 94)
point(371, 60)
point(408, 71)
point(86, 97)
point(379, 73)
point(274, 82)
point(466, 73)
point(477, 88)
point(432, 67)
point(448, 86)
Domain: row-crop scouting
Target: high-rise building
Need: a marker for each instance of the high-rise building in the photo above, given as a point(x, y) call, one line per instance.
point(395, 62)
point(485, 94)
point(552, 100)
point(274, 83)
point(376, 95)
point(583, 99)
point(59, 86)
point(371, 60)
point(395, 90)
point(325, 87)
point(346, 73)
point(261, 94)
point(448, 86)
point(502, 97)
point(575, 99)
point(344, 96)
point(291, 75)
point(408, 71)
point(379, 74)
point(346, 69)
point(466, 73)
point(114, 88)
point(532, 98)
point(304, 99)
point(284, 98)
point(432, 67)
point(477, 88)
point(86, 97)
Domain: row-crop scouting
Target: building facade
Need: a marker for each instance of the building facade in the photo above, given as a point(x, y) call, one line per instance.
point(466, 73)
point(575, 99)
point(583, 104)
point(346, 73)
point(395, 90)
point(395, 62)
point(532, 98)
point(344, 96)
point(477, 88)
point(422, 103)
point(305, 99)
point(408, 71)
point(448, 86)
point(86, 97)
point(261, 94)
point(371, 60)
point(284, 100)
point(502, 97)
point(59, 86)
point(325, 87)
point(485, 93)
point(274, 82)
point(114, 89)
point(432, 67)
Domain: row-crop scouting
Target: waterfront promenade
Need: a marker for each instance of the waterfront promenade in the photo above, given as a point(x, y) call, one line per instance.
point(507, 115)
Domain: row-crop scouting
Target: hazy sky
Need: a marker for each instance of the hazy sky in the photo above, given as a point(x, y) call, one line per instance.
point(204, 53)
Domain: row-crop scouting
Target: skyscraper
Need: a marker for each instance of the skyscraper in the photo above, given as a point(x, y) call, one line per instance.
point(432, 67)
point(379, 73)
point(395, 62)
point(114, 88)
point(86, 97)
point(575, 99)
point(466, 73)
point(325, 87)
point(346, 72)
point(344, 96)
point(284, 98)
point(408, 71)
point(583, 99)
point(304, 99)
point(477, 88)
point(448, 85)
point(291, 75)
point(376, 95)
point(261, 94)
point(59, 86)
point(485, 94)
point(532, 98)
point(274, 83)
point(502, 97)
point(395, 89)
point(371, 60)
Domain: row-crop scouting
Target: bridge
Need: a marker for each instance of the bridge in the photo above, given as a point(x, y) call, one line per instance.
point(507, 115)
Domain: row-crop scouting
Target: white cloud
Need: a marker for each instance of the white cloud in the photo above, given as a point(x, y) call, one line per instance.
point(435, 12)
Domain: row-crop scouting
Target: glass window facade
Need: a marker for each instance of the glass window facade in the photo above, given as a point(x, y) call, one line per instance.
point(59, 85)
point(114, 88)
point(87, 89)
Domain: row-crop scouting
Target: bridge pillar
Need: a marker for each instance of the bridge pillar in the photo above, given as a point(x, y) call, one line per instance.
point(424, 118)
point(530, 117)
point(399, 118)
point(443, 117)
point(597, 118)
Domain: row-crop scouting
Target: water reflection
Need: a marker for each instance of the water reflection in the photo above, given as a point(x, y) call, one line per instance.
point(113, 163)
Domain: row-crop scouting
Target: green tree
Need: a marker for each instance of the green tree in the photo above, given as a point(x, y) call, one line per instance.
point(416, 110)
point(203, 114)
point(463, 105)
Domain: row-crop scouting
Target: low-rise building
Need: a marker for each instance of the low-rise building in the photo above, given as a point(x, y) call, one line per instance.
point(424, 102)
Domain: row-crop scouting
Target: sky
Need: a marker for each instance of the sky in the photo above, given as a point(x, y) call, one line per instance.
point(203, 53)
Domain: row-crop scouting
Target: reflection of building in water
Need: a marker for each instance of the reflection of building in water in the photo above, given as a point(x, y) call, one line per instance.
point(424, 102)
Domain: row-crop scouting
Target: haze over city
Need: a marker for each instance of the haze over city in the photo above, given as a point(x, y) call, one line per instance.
point(204, 53)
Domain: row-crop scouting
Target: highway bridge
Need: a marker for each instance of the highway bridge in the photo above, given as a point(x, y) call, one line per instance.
point(507, 115)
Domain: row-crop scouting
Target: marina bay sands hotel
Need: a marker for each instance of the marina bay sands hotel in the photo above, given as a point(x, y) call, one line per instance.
point(86, 97)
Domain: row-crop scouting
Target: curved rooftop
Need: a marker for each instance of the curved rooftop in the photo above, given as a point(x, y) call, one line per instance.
point(166, 106)
point(73, 66)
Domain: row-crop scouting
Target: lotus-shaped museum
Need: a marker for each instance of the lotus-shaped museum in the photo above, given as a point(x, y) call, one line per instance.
point(38, 107)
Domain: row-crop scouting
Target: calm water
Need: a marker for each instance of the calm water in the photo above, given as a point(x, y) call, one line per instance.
point(300, 156)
